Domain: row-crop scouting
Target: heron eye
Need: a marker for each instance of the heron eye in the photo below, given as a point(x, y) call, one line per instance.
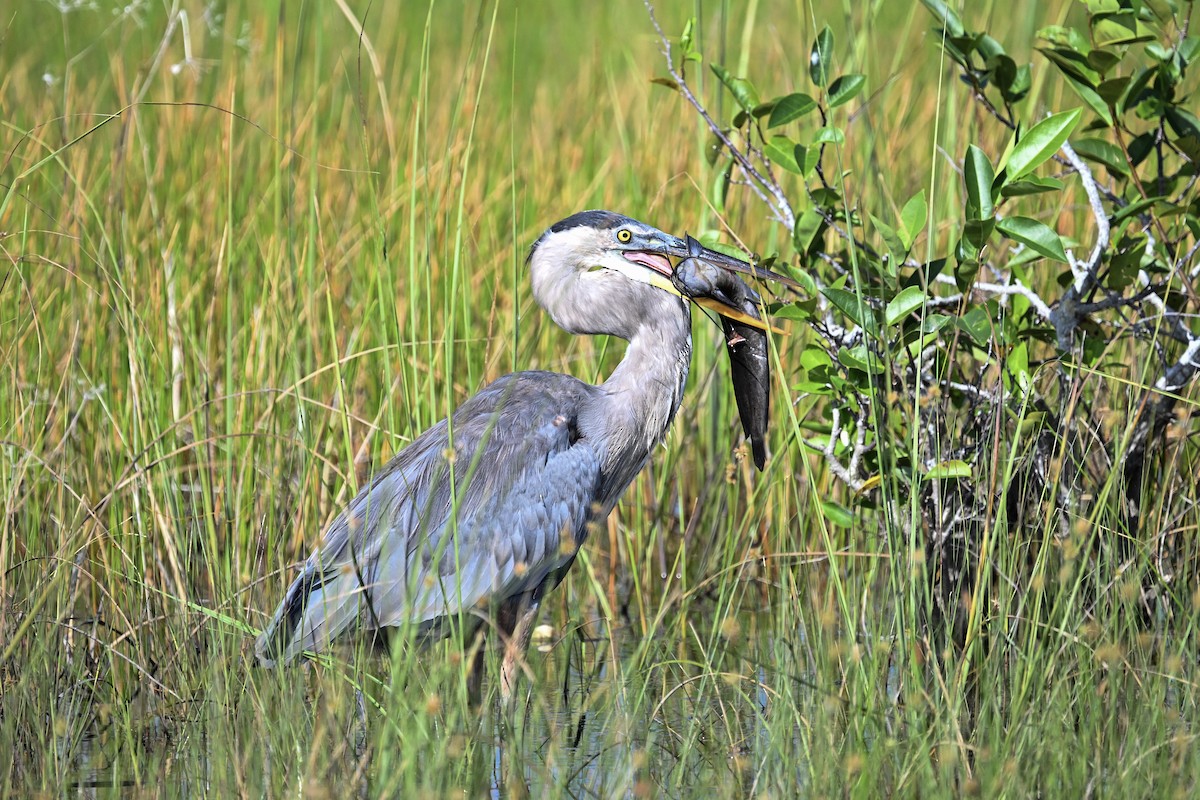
point(624, 235)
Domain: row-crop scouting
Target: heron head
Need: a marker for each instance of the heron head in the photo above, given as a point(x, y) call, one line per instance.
point(613, 249)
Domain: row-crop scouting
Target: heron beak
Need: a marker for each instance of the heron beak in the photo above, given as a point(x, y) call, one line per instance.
point(679, 248)
point(649, 260)
point(690, 248)
point(713, 304)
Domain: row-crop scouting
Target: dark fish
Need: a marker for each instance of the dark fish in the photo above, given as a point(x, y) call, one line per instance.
point(697, 278)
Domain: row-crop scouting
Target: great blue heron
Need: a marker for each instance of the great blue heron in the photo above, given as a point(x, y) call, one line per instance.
point(490, 506)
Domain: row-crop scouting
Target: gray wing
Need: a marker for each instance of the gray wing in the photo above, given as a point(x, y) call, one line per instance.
point(432, 536)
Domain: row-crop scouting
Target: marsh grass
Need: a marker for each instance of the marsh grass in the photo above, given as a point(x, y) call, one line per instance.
point(233, 285)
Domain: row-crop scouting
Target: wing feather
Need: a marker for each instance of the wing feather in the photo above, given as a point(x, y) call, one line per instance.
point(408, 550)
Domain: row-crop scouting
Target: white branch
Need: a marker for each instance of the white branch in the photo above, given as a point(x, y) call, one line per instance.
point(1189, 359)
point(839, 470)
point(1016, 287)
point(780, 205)
point(1087, 276)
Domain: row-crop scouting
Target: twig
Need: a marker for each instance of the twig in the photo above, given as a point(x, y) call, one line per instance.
point(781, 207)
point(1014, 288)
point(840, 471)
point(860, 438)
point(1070, 309)
point(970, 389)
point(1183, 370)
point(1191, 253)
point(1084, 282)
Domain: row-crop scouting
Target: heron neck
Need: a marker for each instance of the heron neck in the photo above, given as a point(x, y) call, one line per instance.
point(645, 390)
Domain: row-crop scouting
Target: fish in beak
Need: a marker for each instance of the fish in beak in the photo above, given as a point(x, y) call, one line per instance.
point(708, 278)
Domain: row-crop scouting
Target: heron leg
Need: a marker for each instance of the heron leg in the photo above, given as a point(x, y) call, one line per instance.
point(476, 653)
point(516, 625)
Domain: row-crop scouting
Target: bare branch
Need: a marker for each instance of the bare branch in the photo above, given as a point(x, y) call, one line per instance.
point(1014, 288)
point(860, 426)
point(780, 205)
point(1187, 259)
point(1071, 308)
point(1085, 279)
point(846, 476)
point(1183, 370)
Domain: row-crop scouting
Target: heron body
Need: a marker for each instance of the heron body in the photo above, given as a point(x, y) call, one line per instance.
point(489, 507)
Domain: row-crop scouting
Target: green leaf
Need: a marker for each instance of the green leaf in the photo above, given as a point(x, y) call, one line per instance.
point(1159, 53)
point(794, 311)
point(946, 16)
point(1020, 85)
point(1033, 234)
point(1140, 147)
point(764, 109)
point(801, 388)
point(861, 359)
point(977, 324)
point(1003, 71)
point(743, 92)
point(1093, 99)
point(826, 198)
point(925, 274)
point(720, 189)
point(1031, 184)
point(1135, 208)
point(988, 47)
point(1125, 264)
point(1103, 152)
point(849, 304)
point(821, 57)
point(814, 357)
point(1112, 90)
point(903, 304)
point(953, 468)
point(966, 268)
point(781, 150)
point(808, 225)
point(687, 38)
point(1133, 93)
point(912, 218)
point(1032, 422)
point(1183, 122)
point(712, 240)
point(1072, 64)
point(1068, 38)
point(1018, 360)
point(1188, 49)
point(1103, 60)
point(1112, 30)
point(979, 176)
point(830, 135)
point(713, 149)
point(1041, 142)
point(914, 346)
point(837, 514)
point(845, 89)
point(791, 108)
point(976, 234)
point(935, 322)
point(891, 238)
point(808, 284)
point(807, 158)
